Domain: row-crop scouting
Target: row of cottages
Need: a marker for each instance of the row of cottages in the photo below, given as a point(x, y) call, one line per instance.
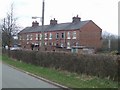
point(64, 35)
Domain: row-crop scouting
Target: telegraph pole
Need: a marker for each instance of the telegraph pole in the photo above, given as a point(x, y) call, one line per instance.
point(42, 32)
point(43, 6)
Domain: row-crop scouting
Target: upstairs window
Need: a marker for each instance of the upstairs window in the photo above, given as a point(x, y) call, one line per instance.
point(27, 37)
point(40, 36)
point(36, 36)
point(31, 37)
point(63, 36)
point(46, 35)
point(74, 35)
point(68, 35)
point(57, 35)
point(50, 37)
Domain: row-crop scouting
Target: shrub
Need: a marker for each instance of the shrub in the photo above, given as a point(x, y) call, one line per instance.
point(97, 65)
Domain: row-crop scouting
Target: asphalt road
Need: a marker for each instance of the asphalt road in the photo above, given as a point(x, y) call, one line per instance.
point(12, 78)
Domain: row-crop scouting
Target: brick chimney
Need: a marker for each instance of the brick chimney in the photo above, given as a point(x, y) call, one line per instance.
point(53, 22)
point(76, 19)
point(34, 24)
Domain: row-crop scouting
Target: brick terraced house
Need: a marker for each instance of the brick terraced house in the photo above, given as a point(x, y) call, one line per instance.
point(75, 33)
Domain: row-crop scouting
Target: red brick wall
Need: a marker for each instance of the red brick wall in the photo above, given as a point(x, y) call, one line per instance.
point(88, 35)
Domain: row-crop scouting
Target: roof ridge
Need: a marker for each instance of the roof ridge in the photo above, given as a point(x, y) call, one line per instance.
point(60, 26)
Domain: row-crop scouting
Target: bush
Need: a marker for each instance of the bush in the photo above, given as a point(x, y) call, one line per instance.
point(97, 65)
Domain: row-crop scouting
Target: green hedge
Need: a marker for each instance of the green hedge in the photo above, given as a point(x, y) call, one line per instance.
point(97, 65)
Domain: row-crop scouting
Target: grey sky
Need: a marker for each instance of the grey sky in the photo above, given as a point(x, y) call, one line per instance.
point(103, 12)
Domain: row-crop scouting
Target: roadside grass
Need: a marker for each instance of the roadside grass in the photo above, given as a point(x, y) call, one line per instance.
point(71, 80)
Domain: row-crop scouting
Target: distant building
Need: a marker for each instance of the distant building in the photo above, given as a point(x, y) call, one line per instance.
point(75, 33)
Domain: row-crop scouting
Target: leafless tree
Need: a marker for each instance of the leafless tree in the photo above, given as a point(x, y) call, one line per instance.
point(106, 37)
point(9, 27)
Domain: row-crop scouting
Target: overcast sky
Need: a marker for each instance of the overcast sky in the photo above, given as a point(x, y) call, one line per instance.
point(103, 12)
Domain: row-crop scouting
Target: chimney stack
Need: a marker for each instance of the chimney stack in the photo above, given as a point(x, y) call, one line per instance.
point(34, 24)
point(53, 22)
point(76, 19)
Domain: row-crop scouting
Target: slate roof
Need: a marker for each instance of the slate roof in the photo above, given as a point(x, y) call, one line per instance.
point(61, 26)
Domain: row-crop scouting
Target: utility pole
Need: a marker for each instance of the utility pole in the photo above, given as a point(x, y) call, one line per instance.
point(42, 32)
point(43, 5)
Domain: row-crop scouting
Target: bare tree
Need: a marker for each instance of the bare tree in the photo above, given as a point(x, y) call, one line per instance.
point(110, 42)
point(9, 28)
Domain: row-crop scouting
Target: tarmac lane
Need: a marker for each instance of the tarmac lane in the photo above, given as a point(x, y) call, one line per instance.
point(12, 78)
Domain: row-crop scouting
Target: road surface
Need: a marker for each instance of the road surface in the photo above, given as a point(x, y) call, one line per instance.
point(12, 78)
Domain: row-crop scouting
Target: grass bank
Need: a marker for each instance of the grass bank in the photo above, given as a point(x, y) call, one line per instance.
point(71, 80)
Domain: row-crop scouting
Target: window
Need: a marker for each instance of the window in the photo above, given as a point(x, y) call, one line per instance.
point(68, 45)
point(50, 37)
point(46, 36)
point(68, 35)
point(40, 36)
point(74, 35)
point(61, 44)
point(45, 43)
point(27, 42)
point(27, 37)
point(63, 36)
point(57, 35)
point(31, 37)
point(36, 36)
point(54, 44)
point(77, 44)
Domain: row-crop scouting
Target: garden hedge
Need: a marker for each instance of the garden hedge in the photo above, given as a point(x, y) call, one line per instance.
point(97, 65)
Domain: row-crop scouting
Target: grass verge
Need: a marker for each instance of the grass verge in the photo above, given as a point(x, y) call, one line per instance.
point(71, 80)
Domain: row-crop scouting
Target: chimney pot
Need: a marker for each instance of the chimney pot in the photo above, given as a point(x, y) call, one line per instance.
point(76, 19)
point(53, 22)
point(34, 24)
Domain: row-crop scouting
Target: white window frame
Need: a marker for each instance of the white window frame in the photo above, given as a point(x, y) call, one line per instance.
point(40, 36)
point(46, 35)
point(45, 43)
point(27, 36)
point(74, 35)
point(50, 36)
point(62, 45)
point(57, 35)
point(68, 45)
point(54, 44)
point(68, 35)
point(36, 36)
point(31, 37)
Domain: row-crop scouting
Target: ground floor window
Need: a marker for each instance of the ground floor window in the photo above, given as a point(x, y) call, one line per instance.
point(61, 44)
point(45, 43)
point(68, 45)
